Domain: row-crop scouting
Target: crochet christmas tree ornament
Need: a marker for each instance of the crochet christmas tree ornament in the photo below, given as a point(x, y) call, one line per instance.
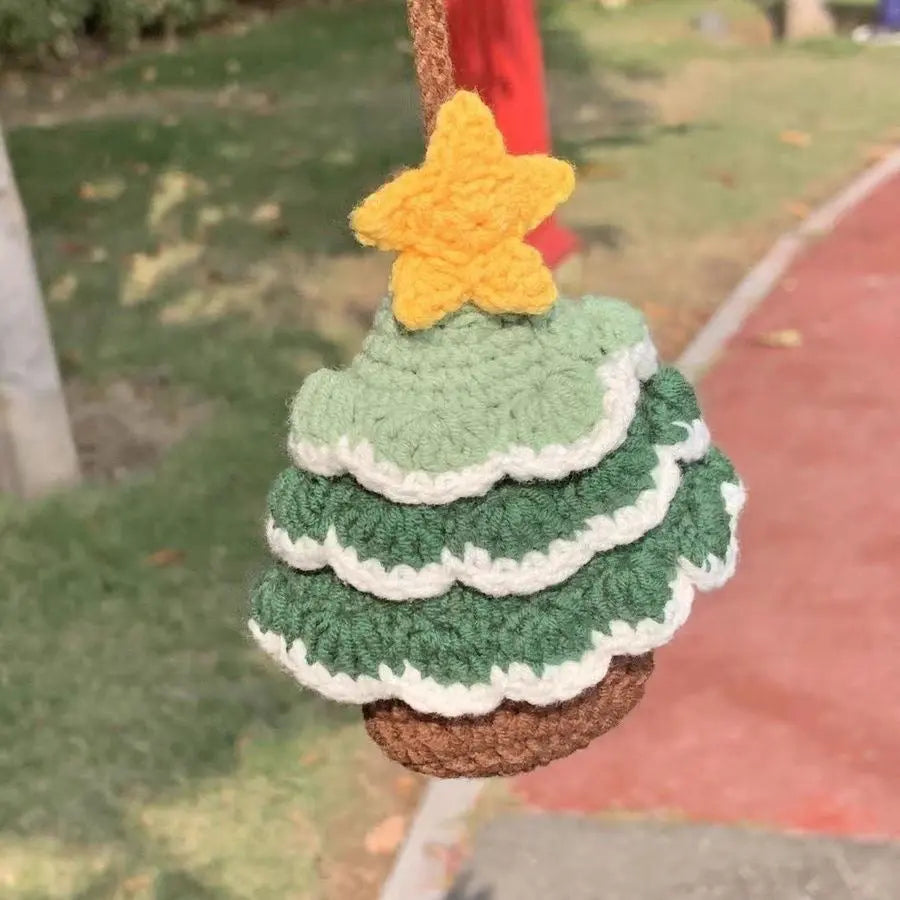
point(505, 503)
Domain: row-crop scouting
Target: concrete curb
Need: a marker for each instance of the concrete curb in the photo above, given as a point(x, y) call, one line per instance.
point(419, 872)
point(762, 278)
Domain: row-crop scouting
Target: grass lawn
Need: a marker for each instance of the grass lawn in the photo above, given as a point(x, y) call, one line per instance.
point(188, 209)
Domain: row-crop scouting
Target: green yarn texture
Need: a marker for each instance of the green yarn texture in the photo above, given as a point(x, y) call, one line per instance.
point(460, 636)
point(510, 520)
point(444, 398)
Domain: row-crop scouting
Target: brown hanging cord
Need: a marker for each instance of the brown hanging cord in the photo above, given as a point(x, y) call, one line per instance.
point(431, 47)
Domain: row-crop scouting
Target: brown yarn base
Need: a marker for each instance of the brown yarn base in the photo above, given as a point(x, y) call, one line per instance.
point(515, 737)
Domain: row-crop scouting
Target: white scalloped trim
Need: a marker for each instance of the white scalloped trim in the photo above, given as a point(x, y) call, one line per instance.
point(501, 577)
point(621, 374)
point(519, 682)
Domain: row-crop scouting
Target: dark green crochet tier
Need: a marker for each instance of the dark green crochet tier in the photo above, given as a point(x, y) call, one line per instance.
point(460, 636)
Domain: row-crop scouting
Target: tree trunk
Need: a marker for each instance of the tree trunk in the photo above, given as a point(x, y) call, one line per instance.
point(37, 452)
point(806, 19)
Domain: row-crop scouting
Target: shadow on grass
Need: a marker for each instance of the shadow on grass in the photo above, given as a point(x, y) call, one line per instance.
point(582, 144)
point(171, 884)
point(123, 680)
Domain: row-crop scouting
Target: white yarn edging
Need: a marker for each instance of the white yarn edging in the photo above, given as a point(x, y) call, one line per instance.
point(502, 577)
point(715, 572)
point(519, 682)
point(621, 375)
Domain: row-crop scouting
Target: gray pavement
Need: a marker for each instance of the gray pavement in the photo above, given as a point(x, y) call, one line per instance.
point(544, 857)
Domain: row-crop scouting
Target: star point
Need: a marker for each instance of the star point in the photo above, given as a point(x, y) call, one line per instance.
point(458, 222)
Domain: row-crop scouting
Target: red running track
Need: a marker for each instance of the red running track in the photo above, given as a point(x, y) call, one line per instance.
point(779, 702)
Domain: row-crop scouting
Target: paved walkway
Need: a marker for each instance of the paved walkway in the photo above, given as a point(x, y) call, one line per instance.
point(778, 704)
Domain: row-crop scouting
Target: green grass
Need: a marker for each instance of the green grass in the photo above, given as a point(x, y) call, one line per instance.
point(146, 749)
point(305, 50)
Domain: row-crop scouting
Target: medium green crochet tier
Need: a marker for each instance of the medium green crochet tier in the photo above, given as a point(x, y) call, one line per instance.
point(491, 510)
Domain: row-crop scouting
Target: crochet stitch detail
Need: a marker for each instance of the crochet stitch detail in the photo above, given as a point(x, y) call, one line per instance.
point(449, 418)
point(515, 539)
point(463, 636)
point(448, 397)
point(459, 221)
point(501, 576)
point(554, 683)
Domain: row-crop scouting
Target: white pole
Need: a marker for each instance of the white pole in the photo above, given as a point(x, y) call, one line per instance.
point(37, 452)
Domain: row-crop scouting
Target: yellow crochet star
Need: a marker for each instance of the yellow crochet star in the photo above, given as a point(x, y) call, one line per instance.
point(459, 221)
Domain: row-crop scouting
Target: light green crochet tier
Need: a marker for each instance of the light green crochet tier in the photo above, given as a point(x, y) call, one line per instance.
point(450, 397)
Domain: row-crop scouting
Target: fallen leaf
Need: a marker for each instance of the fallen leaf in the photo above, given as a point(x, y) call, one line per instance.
point(795, 138)
point(15, 85)
point(386, 836)
point(221, 299)
point(137, 883)
point(147, 270)
point(260, 102)
point(600, 171)
point(107, 189)
point(311, 758)
point(98, 255)
point(167, 556)
point(339, 156)
point(172, 189)
point(210, 215)
point(148, 74)
point(450, 858)
point(798, 209)
point(404, 785)
point(74, 248)
point(266, 213)
point(587, 112)
point(226, 95)
point(64, 288)
point(726, 179)
point(655, 313)
point(878, 153)
point(785, 338)
point(297, 817)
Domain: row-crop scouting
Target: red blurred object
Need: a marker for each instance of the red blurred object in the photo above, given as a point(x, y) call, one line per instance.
point(496, 49)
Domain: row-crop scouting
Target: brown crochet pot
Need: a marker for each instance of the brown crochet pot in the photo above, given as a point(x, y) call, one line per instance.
point(513, 738)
